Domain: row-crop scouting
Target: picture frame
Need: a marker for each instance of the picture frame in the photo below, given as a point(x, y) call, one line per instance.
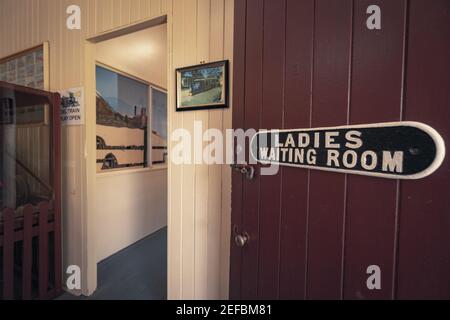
point(202, 86)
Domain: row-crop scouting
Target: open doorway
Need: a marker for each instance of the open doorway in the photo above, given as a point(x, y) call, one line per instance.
point(131, 165)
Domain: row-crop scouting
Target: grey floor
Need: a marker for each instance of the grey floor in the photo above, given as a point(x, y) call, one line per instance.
point(138, 272)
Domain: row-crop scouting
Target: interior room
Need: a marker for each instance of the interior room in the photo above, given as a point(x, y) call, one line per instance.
point(251, 150)
point(131, 176)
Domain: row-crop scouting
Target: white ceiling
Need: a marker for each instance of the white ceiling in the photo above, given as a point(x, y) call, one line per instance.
point(142, 54)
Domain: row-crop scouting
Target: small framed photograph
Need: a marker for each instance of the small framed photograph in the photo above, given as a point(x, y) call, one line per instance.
point(203, 86)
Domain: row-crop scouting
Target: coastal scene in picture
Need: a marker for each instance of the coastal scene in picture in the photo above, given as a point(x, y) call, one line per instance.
point(122, 118)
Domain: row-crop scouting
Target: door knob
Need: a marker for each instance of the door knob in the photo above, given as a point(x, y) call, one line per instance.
point(245, 169)
point(241, 239)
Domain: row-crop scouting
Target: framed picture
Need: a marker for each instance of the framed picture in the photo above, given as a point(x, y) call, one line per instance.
point(203, 86)
point(122, 104)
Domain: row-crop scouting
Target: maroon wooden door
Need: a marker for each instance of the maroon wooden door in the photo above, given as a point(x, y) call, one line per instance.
point(313, 234)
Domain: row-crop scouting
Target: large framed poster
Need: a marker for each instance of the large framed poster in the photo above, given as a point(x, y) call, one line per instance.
point(122, 120)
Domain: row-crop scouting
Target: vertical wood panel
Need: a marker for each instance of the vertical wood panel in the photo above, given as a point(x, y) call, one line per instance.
point(239, 69)
point(15, 9)
point(126, 12)
point(175, 197)
point(9, 38)
point(156, 7)
point(22, 27)
point(8, 254)
point(215, 52)
point(135, 10)
point(43, 20)
point(27, 24)
point(145, 9)
point(91, 16)
point(252, 116)
point(35, 28)
point(201, 171)
point(371, 203)
point(327, 190)
point(165, 6)
point(226, 170)
point(424, 258)
point(106, 12)
point(43, 250)
point(117, 12)
point(297, 112)
point(27, 257)
point(189, 171)
point(56, 68)
point(56, 201)
point(3, 35)
point(99, 15)
point(272, 117)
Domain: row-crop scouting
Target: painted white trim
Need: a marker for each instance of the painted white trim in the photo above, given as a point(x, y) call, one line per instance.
point(437, 138)
point(88, 231)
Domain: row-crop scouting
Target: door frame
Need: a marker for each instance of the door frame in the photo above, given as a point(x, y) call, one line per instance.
point(87, 228)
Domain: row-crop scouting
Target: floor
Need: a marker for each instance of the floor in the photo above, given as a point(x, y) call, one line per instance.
point(138, 272)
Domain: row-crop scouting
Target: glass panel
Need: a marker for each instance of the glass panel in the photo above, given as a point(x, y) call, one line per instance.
point(25, 150)
point(159, 126)
point(122, 105)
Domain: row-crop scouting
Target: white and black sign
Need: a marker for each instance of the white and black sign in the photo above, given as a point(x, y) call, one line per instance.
point(72, 106)
point(400, 150)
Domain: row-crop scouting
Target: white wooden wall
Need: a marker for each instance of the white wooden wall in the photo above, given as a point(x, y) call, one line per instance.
point(199, 195)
